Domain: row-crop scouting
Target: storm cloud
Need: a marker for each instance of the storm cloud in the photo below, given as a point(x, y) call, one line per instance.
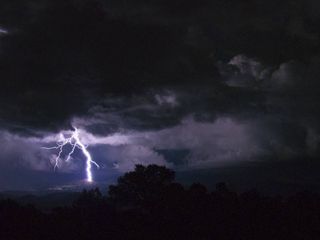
point(187, 84)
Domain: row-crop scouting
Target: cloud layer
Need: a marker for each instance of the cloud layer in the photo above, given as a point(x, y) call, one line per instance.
point(179, 83)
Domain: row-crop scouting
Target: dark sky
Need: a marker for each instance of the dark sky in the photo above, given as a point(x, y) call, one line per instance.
point(193, 85)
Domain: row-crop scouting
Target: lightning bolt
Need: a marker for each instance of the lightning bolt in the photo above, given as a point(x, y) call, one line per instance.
point(75, 142)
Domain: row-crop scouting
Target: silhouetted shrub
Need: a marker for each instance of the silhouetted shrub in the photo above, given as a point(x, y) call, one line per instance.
point(141, 186)
point(147, 204)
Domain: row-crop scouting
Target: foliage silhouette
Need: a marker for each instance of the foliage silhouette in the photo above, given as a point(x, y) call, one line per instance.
point(147, 204)
point(141, 186)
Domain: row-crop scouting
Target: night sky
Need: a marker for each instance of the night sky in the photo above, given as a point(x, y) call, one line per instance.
point(218, 90)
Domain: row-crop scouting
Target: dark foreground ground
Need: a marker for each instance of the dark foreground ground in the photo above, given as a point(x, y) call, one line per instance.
point(148, 204)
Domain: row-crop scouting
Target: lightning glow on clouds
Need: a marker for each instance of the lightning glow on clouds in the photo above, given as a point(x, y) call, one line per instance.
point(3, 31)
point(75, 142)
point(208, 144)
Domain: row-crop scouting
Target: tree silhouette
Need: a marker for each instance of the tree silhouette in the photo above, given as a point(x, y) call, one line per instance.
point(89, 198)
point(142, 186)
point(147, 204)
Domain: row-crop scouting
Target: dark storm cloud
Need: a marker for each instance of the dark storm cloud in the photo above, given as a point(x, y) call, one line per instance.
point(70, 54)
point(289, 126)
point(179, 83)
point(267, 28)
point(60, 59)
point(161, 109)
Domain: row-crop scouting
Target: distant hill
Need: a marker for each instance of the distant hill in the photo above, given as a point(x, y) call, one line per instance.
point(42, 200)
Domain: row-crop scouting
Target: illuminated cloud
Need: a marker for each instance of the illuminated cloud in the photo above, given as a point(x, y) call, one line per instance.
point(3, 31)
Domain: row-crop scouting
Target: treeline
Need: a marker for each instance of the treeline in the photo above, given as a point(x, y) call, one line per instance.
point(148, 204)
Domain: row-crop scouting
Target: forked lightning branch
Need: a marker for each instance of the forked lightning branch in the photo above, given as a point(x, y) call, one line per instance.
point(74, 142)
